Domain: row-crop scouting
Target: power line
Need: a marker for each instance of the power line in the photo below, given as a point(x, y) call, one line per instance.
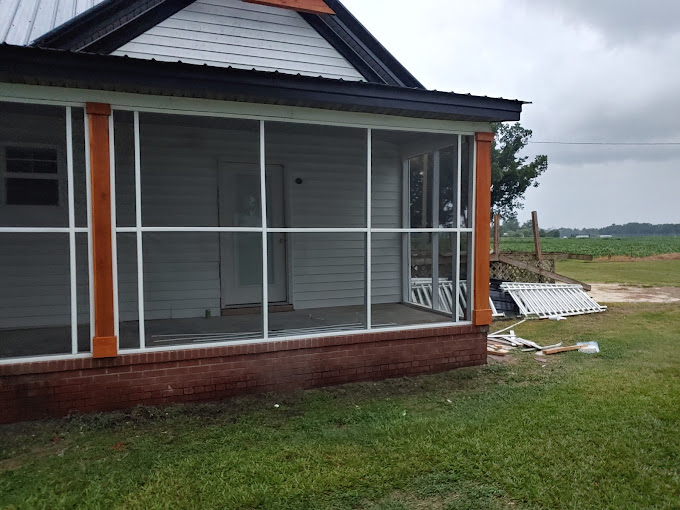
point(610, 143)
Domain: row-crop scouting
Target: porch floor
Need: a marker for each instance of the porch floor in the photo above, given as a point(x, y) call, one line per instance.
point(165, 332)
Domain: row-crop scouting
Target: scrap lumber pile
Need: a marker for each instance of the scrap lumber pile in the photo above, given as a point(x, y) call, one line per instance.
point(505, 340)
point(501, 343)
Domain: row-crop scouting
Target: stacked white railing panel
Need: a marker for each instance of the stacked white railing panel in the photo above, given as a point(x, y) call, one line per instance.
point(544, 300)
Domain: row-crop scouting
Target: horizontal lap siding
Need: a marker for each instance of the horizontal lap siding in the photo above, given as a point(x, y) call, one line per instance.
point(329, 269)
point(386, 213)
point(233, 33)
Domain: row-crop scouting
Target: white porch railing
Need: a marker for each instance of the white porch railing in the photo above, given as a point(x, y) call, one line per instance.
point(421, 294)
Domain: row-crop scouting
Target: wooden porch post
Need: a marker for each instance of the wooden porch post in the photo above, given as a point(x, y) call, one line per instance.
point(482, 315)
point(104, 343)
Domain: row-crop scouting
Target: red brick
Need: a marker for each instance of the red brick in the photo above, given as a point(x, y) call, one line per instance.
point(37, 389)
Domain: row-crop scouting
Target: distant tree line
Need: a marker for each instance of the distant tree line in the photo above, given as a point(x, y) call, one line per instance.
point(627, 230)
point(511, 227)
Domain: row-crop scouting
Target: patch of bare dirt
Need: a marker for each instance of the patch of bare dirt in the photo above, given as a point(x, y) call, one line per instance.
point(617, 293)
point(626, 258)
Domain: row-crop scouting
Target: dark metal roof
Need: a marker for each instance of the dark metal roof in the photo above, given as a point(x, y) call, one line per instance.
point(113, 23)
point(60, 68)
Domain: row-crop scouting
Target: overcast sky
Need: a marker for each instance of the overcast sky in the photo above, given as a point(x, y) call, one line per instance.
point(595, 70)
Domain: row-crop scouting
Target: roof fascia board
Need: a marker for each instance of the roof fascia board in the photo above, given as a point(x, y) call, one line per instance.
point(339, 41)
point(344, 23)
point(68, 69)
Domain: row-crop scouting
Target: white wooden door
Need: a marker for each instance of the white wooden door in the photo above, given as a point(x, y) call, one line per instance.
point(240, 253)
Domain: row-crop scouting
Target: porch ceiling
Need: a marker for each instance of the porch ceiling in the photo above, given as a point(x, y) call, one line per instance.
point(38, 66)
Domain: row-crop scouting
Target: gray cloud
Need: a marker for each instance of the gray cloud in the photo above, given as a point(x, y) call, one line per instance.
point(619, 21)
point(598, 70)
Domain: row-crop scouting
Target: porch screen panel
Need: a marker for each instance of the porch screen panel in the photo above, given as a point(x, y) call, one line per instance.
point(128, 281)
point(44, 269)
point(448, 246)
point(467, 180)
point(35, 310)
point(322, 179)
point(199, 171)
point(327, 285)
point(124, 157)
point(465, 272)
point(202, 288)
point(399, 299)
point(83, 292)
point(80, 178)
point(415, 229)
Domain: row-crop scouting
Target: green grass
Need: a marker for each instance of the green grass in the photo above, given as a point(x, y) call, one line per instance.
point(585, 431)
point(627, 246)
point(656, 273)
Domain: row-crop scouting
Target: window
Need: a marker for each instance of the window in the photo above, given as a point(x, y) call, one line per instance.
point(31, 176)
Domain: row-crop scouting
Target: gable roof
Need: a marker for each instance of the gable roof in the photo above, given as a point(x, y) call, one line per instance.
point(113, 23)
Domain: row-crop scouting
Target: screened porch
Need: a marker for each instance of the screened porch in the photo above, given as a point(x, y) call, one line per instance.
point(352, 228)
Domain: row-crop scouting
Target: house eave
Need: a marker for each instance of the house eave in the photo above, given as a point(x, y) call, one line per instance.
point(38, 66)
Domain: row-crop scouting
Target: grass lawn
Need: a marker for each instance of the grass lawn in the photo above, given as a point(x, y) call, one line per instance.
point(657, 273)
point(585, 431)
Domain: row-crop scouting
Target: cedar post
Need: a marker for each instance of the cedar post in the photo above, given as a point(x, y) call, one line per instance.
point(482, 315)
point(104, 343)
point(537, 236)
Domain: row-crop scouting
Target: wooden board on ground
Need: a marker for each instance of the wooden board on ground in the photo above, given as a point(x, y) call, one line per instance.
point(557, 350)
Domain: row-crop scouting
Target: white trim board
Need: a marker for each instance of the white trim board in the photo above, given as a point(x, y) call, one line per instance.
point(255, 111)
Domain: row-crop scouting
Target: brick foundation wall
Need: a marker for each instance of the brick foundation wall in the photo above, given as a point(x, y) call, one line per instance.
point(55, 388)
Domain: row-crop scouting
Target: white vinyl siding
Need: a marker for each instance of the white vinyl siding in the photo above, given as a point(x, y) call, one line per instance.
point(387, 265)
point(232, 33)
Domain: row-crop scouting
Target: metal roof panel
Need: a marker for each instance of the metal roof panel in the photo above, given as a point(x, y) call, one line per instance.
point(23, 21)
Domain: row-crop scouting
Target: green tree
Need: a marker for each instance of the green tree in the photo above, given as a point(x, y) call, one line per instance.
point(510, 224)
point(511, 174)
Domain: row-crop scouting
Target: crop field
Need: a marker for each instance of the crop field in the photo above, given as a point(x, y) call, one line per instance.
point(625, 246)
